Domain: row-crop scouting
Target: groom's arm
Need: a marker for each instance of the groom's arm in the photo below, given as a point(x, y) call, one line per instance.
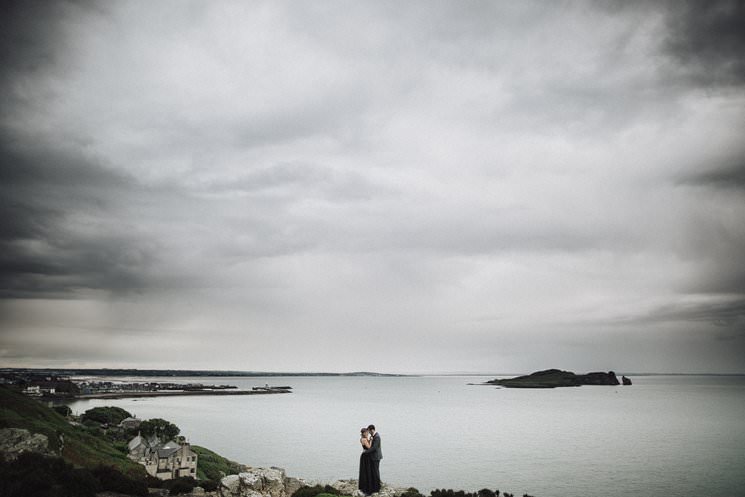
point(374, 446)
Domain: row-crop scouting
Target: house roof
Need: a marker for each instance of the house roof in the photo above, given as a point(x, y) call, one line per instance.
point(168, 448)
point(171, 444)
point(167, 452)
point(152, 442)
point(154, 446)
point(135, 442)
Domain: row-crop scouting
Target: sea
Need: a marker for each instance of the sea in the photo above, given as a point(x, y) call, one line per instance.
point(664, 435)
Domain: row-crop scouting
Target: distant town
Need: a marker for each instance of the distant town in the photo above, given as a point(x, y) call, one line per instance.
point(54, 385)
point(111, 372)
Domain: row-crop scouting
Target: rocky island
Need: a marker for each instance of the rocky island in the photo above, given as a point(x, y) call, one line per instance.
point(552, 378)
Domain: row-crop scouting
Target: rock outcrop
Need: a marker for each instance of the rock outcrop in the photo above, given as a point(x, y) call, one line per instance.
point(260, 482)
point(552, 378)
point(351, 487)
point(292, 485)
point(14, 441)
point(626, 381)
point(273, 482)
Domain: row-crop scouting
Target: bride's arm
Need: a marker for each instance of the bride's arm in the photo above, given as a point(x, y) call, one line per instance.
point(365, 443)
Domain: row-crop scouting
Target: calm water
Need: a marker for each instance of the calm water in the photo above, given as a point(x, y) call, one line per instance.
point(678, 436)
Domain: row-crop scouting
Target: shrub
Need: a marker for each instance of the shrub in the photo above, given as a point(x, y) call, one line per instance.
point(113, 480)
point(411, 492)
point(79, 483)
point(209, 485)
point(108, 415)
point(181, 485)
point(449, 493)
point(484, 492)
point(315, 490)
point(165, 430)
point(62, 410)
point(153, 482)
point(33, 474)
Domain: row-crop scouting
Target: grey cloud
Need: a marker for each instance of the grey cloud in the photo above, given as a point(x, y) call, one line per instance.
point(719, 320)
point(715, 237)
point(726, 277)
point(529, 73)
point(298, 179)
point(709, 39)
point(304, 175)
point(728, 177)
point(23, 47)
point(728, 313)
point(50, 200)
point(61, 351)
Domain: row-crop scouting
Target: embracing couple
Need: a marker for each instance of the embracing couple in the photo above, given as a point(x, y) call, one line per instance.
point(370, 460)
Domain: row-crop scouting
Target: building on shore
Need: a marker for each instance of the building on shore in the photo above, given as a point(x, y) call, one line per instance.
point(33, 391)
point(163, 460)
point(130, 423)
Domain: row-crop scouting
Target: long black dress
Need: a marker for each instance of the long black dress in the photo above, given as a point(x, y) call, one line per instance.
point(369, 475)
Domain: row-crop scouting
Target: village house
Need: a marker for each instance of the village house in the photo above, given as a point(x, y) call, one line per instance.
point(130, 423)
point(33, 390)
point(163, 460)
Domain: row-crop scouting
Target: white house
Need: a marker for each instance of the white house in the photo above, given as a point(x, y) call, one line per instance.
point(33, 390)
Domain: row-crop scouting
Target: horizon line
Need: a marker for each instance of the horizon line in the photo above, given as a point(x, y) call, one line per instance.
point(227, 372)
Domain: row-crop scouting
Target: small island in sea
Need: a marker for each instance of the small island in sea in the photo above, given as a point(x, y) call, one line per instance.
point(552, 378)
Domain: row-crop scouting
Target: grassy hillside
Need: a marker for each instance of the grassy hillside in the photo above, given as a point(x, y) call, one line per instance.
point(213, 466)
point(81, 448)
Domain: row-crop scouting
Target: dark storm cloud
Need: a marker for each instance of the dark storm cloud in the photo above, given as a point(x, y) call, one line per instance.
point(58, 230)
point(49, 200)
point(725, 314)
point(728, 177)
point(708, 37)
point(24, 47)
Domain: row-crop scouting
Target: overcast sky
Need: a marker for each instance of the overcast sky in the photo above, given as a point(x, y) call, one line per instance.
point(389, 186)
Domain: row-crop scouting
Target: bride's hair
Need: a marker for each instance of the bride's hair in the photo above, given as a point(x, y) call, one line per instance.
point(363, 431)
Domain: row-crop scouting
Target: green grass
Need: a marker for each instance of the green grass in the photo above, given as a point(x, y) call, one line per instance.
point(87, 446)
point(81, 448)
point(213, 466)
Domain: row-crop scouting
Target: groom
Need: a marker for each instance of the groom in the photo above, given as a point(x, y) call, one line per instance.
point(376, 454)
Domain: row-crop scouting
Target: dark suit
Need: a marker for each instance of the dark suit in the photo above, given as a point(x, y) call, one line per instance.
point(376, 454)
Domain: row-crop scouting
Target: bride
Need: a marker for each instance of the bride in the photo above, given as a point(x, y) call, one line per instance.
point(367, 470)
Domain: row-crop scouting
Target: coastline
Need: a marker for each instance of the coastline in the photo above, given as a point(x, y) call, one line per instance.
point(127, 395)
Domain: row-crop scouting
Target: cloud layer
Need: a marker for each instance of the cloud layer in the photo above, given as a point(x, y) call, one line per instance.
point(471, 186)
